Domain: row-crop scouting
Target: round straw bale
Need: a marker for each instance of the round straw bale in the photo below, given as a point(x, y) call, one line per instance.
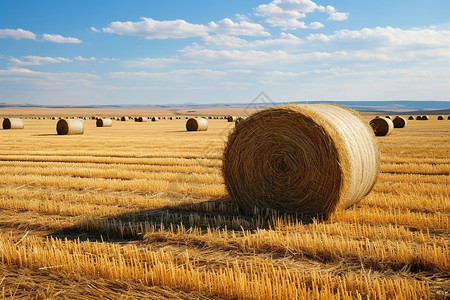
point(388, 117)
point(382, 126)
point(231, 118)
point(448, 118)
point(154, 119)
point(197, 124)
point(238, 120)
point(425, 118)
point(140, 119)
point(440, 117)
point(12, 123)
point(124, 118)
point(419, 118)
point(411, 118)
point(104, 122)
point(399, 122)
point(303, 159)
point(70, 126)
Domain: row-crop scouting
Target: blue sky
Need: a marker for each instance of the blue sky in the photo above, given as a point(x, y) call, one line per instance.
point(175, 52)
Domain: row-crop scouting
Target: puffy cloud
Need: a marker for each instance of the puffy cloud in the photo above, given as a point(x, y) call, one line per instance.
point(334, 15)
point(286, 13)
point(149, 28)
point(38, 60)
point(94, 29)
point(242, 28)
point(17, 34)
point(153, 29)
point(56, 38)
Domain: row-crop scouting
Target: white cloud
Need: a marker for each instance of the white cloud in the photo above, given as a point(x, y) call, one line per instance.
point(56, 38)
point(334, 15)
point(153, 29)
point(151, 62)
point(17, 34)
point(388, 36)
point(80, 58)
point(94, 29)
point(38, 60)
point(242, 28)
point(286, 13)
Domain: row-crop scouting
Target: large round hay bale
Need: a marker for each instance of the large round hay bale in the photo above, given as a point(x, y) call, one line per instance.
point(104, 122)
point(448, 118)
point(154, 119)
point(411, 118)
point(440, 117)
point(419, 118)
point(303, 159)
point(70, 126)
point(425, 118)
point(12, 123)
point(399, 122)
point(231, 118)
point(197, 124)
point(382, 126)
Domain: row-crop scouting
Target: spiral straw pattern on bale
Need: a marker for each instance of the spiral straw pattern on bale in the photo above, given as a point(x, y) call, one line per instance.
point(303, 159)
point(382, 126)
point(197, 124)
point(70, 127)
point(12, 123)
point(399, 122)
point(104, 122)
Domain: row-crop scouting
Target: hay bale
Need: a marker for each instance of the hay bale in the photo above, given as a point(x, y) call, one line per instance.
point(303, 159)
point(440, 117)
point(411, 118)
point(104, 122)
point(399, 122)
point(154, 119)
point(231, 118)
point(419, 118)
point(388, 117)
point(448, 118)
point(124, 119)
point(382, 126)
point(197, 124)
point(425, 118)
point(70, 126)
point(141, 119)
point(12, 123)
point(238, 120)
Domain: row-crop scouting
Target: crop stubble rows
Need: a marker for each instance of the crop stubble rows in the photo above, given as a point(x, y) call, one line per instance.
point(144, 205)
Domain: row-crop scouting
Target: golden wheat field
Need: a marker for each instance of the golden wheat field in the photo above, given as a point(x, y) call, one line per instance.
point(140, 210)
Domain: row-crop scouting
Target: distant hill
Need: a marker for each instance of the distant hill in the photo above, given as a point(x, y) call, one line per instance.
point(411, 107)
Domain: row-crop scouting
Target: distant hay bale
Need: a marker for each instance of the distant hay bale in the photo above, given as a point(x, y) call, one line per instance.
point(197, 124)
point(388, 117)
point(419, 118)
point(70, 127)
point(382, 126)
point(302, 159)
point(238, 120)
point(411, 118)
point(12, 123)
point(425, 118)
point(399, 122)
point(104, 122)
point(231, 118)
point(170, 118)
point(141, 119)
point(440, 117)
point(448, 118)
point(124, 118)
point(154, 119)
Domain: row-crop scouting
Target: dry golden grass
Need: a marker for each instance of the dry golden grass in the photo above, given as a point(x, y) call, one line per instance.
point(139, 210)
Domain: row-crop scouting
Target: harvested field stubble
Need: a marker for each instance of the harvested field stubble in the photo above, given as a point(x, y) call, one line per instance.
point(142, 212)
